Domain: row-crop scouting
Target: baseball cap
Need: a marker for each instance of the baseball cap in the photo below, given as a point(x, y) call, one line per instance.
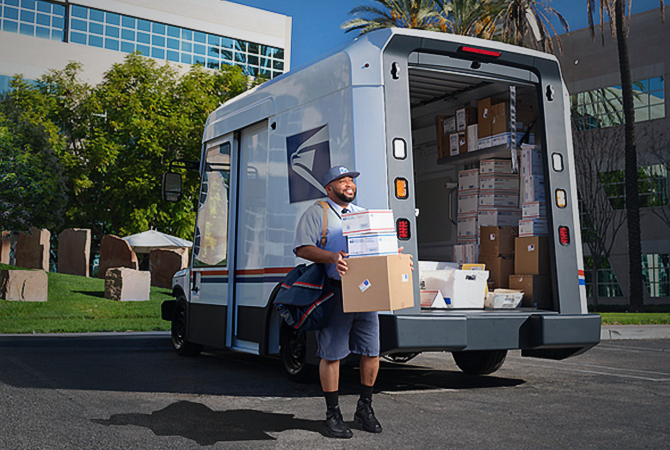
point(337, 172)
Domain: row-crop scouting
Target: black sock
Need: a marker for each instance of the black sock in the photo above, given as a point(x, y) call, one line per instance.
point(331, 398)
point(366, 391)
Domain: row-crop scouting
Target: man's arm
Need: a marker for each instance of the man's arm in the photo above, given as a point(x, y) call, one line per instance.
point(317, 255)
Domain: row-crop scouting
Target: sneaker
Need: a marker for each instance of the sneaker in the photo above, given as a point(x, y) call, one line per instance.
point(335, 424)
point(365, 416)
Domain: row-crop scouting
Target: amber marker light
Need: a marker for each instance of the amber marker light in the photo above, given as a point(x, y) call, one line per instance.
point(401, 189)
point(561, 198)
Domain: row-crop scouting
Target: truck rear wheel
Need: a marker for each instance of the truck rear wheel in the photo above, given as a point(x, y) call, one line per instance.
point(293, 350)
point(479, 362)
point(178, 329)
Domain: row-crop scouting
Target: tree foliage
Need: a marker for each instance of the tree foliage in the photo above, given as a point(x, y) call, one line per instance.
point(117, 139)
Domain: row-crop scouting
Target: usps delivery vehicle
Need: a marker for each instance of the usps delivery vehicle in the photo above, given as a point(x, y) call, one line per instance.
point(373, 106)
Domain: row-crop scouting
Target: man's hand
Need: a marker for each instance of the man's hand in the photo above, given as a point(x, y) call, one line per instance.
point(411, 260)
point(340, 262)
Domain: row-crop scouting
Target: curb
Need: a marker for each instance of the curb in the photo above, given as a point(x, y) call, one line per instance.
point(620, 332)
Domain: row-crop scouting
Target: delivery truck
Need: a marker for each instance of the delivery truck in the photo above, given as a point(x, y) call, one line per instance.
point(414, 112)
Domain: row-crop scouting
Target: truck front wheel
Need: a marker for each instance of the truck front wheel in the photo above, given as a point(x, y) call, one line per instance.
point(178, 329)
point(479, 362)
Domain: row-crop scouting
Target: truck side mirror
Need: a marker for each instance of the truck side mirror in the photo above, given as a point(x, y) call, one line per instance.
point(171, 187)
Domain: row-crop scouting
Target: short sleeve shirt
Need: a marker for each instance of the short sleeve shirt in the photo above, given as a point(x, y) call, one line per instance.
point(309, 229)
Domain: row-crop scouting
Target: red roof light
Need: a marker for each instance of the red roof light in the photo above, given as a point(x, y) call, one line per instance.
point(480, 51)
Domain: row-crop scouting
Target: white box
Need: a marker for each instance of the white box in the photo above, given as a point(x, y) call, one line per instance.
point(531, 160)
point(370, 221)
point(468, 202)
point(468, 179)
point(533, 227)
point(506, 138)
point(497, 217)
point(534, 210)
point(467, 226)
point(503, 298)
point(499, 182)
point(533, 190)
point(472, 138)
point(466, 254)
point(460, 288)
point(453, 144)
point(372, 244)
point(483, 143)
point(495, 166)
point(498, 199)
point(449, 125)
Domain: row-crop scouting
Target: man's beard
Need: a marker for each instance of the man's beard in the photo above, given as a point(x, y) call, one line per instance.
point(344, 197)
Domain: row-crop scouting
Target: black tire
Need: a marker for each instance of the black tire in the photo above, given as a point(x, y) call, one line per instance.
point(179, 328)
point(479, 362)
point(293, 350)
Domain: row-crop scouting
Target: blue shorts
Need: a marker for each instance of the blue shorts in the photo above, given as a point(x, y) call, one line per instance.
point(348, 333)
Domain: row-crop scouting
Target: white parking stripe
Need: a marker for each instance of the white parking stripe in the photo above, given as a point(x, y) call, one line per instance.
point(561, 366)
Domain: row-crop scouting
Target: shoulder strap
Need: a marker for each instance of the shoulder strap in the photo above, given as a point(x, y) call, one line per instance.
point(324, 206)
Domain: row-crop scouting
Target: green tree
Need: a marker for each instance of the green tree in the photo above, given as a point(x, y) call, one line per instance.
point(420, 14)
point(528, 22)
point(32, 188)
point(616, 11)
point(476, 18)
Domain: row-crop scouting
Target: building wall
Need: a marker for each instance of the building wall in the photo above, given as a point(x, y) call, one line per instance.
point(589, 65)
point(33, 56)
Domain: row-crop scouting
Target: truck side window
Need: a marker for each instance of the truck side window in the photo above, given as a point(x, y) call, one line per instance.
point(211, 234)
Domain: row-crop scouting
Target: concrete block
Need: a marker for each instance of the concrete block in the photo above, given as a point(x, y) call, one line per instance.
point(115, 252)
point(164, 263)
point(74, 251)
point(24, 285)
point(32, 249)
point(5, 247)
point(124, 285)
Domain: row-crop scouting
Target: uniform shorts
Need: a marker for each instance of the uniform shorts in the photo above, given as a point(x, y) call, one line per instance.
point(348, 332)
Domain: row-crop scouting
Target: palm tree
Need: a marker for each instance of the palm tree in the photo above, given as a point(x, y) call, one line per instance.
point(615, 9)
point(421, 14)
point(528, 21)
point(474, 18)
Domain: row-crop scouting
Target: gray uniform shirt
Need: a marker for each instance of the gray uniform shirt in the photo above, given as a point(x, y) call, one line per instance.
point(309, 229)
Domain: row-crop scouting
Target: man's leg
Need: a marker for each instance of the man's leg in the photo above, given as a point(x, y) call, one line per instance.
point(329, 372)
point(369, 370)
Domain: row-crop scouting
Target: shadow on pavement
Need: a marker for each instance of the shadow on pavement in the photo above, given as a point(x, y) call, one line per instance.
point(201, 424)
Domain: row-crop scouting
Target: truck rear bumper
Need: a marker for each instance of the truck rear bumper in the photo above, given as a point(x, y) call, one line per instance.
point(530, 330)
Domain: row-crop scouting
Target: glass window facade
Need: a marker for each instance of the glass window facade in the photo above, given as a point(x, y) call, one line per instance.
point(608, 284)
point(102, 29)
point(652, 186)
point(33, 18)
point(603, 108)
point(656, 274)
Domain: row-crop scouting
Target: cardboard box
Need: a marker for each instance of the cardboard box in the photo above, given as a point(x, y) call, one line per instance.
point(500, 268)
point(466, 253)
point(503, 298)
point(495, 166)
point(533, 189)
point(534, 210)
point(462, 142)
point(536, 290)
point(468, 202)
point(372, 244)
point(468, 180)
point(500, 117)
point(506, 138)
point(472, 138)
point(499, 199)
point(533, 227)
point(367, 222)
point(460, 288)
point(454, 149)
point(531, 160)
point(498, 217)
point(444, 125)
point(467, 226)
point(466, 116)
point(432, 299)
point(378, 283)
point(497, 241)
point(531, 255)
point(499, 182)
point(484, 115)
point(483, 143)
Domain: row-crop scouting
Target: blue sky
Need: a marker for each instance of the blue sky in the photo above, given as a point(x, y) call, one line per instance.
point(316, 23)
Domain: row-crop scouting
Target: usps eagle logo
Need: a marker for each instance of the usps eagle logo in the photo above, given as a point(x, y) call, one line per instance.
point(308, 157)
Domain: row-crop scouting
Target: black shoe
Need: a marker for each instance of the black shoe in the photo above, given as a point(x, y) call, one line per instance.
point(335, 424)
point(365, 416)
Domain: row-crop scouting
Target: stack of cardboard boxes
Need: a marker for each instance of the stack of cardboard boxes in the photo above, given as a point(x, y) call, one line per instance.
point(498, 194)
point(496, 251)
point(493, 122)
point(457, 134)
point(534, 211)
point(467, 249)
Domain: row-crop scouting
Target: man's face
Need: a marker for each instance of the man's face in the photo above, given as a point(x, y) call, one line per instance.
point(343, 188)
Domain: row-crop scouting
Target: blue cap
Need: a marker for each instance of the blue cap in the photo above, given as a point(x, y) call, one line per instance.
point(337, 172)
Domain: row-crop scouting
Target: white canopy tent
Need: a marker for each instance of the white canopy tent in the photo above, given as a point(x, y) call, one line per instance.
point(148, 240)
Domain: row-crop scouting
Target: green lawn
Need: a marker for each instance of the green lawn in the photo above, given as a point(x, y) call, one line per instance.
point(77, 304)
point(616, 318)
